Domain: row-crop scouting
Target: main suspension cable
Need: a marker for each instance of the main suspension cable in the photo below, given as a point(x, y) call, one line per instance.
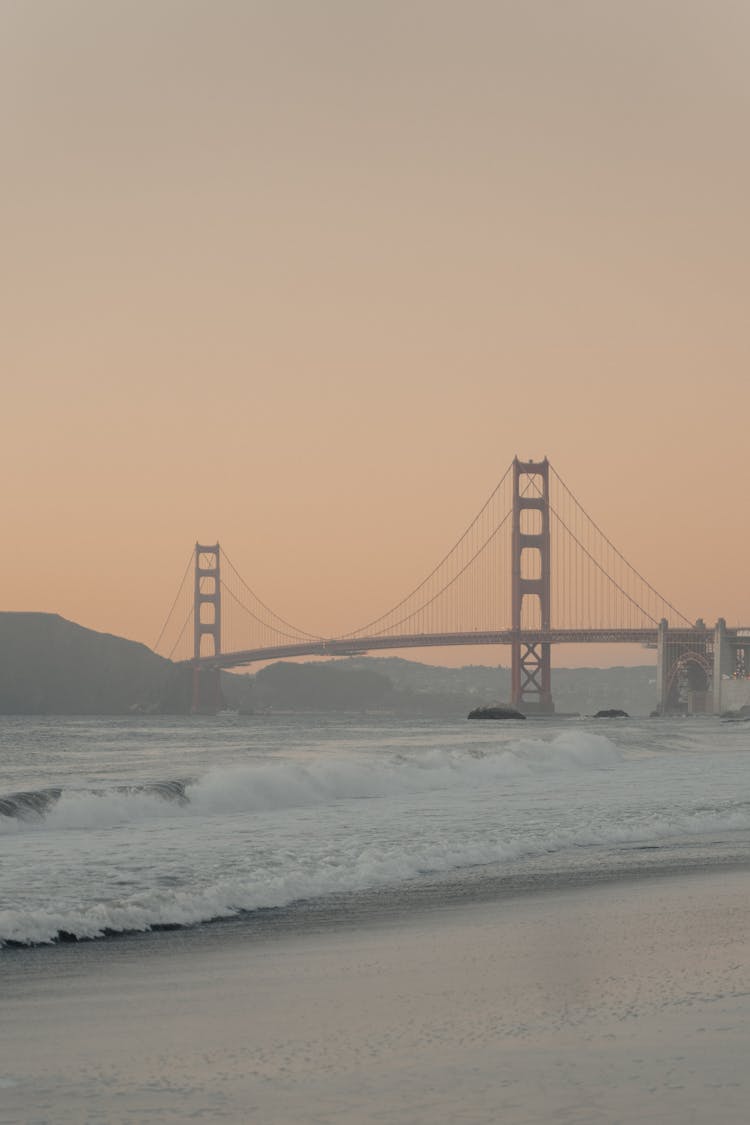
point(287, 624)
point(599, 566)
point(619, 553)
point(172, 607)
point(263, 624)
point(363, 629)
point(188, 619)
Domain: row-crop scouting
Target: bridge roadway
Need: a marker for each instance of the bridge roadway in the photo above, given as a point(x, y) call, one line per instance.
point(356, 646)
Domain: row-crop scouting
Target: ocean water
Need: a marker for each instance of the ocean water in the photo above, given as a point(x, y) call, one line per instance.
point(110, 826)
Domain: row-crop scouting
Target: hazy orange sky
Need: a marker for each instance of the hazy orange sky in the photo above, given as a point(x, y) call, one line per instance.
point(303, 276)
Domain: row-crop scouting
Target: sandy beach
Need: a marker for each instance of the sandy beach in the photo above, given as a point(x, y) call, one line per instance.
point(622, 1002)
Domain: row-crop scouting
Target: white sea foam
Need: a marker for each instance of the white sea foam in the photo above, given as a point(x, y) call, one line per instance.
point(353, 868)
point(268, 784)
point(271, 822)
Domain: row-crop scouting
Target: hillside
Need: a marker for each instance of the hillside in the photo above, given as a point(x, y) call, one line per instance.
point(50, 666)
point(408, 687)
point(338, 685)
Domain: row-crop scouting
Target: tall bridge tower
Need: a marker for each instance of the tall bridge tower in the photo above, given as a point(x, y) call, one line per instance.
point(531, 679)
point(207, 623)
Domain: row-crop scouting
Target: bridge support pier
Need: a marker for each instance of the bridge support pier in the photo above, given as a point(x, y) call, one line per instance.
point(207, 698)
point(531, 666)
point(724, 663)
point(662, 672)
point(531, 676)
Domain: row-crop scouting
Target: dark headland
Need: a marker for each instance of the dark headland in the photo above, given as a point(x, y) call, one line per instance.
point(50, 666)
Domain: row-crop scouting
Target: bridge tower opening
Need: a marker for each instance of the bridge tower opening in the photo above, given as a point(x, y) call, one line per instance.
point(207, 697)
point(531, 675)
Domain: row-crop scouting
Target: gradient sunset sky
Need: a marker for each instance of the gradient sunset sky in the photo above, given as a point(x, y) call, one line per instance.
point(303, 276)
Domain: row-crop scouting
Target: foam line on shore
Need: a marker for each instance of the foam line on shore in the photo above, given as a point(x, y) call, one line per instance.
point(352, 871)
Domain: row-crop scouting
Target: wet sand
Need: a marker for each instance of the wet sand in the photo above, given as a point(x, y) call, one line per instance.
point(619, 1002)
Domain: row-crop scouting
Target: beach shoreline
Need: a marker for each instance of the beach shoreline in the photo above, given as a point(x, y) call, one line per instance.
point(483, 883)
point(615, 999)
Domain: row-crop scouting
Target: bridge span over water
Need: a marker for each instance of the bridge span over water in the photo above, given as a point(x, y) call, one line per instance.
point(338, 647)
point(531, 571)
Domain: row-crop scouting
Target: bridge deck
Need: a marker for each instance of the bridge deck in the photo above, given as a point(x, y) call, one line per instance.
point(349, 646)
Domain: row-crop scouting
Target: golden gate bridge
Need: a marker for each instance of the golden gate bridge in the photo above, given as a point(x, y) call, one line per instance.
point(530, 571)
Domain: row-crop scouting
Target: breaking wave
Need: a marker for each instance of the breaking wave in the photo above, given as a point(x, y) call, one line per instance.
point(269, 784)
point(55, 804)
point(28, 805)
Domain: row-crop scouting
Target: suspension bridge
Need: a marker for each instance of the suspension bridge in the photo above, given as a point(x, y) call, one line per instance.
point(530, 571)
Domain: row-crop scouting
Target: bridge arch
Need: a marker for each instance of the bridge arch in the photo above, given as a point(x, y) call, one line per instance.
point(692, 670)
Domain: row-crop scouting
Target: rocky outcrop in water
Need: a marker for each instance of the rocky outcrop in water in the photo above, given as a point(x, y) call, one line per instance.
point(495, 713)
